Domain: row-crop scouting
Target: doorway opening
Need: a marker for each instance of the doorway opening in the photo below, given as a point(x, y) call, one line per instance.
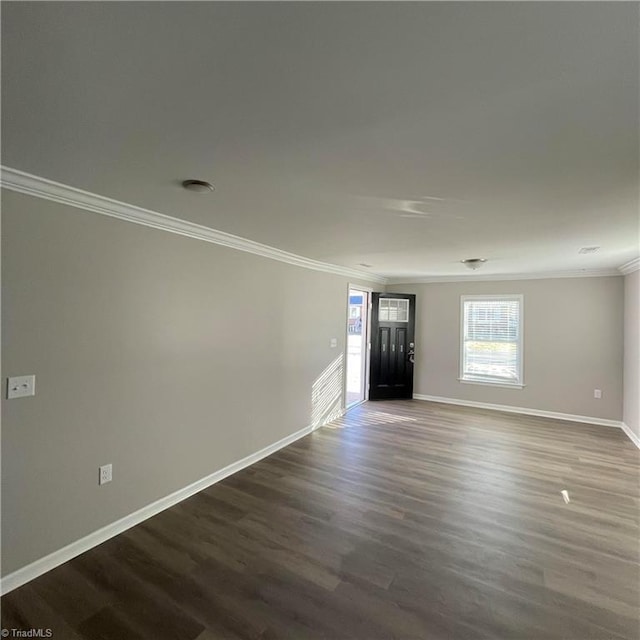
point(357, 341)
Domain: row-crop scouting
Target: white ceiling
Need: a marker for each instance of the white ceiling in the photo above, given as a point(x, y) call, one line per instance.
point(402, 135)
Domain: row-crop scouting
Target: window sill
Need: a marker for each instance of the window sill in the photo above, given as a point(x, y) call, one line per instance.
point(489, 383)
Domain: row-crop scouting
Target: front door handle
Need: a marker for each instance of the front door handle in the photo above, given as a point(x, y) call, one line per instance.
point(411, 356)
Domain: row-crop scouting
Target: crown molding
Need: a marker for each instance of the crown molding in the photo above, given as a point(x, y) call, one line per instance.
point(630, 267)
point(581, 273)
point(22, 182)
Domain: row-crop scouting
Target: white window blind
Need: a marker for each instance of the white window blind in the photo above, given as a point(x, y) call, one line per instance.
point(491, 345)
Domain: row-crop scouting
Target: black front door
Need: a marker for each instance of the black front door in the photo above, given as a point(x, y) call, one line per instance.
point(392, 345)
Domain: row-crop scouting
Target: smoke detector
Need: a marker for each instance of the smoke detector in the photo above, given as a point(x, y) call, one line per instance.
point(473, 263)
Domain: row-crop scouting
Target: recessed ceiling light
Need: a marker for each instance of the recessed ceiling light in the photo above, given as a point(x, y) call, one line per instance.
point(588, 249)
point(473, 263)
point(198, 186)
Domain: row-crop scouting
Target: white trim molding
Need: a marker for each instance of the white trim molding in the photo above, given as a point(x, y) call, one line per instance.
point(492, 277)
point(522, 410)
point(39, 187)
point(25, 574)
point(631, 435)
point(629, 267)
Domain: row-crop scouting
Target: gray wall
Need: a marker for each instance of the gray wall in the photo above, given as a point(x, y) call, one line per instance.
point(572, 344)
point(166, 356)
point(631, 416)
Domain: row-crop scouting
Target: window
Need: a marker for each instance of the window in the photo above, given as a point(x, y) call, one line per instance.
point(491, 341)
point(395, 310)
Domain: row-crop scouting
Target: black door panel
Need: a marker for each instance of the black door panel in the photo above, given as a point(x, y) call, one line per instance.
point(384, 334)
point(401, 360)
point(392, 331)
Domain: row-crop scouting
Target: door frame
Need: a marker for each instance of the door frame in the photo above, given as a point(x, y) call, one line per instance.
point(366, 326)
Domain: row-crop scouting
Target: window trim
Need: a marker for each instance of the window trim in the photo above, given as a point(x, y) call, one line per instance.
point(520, 360)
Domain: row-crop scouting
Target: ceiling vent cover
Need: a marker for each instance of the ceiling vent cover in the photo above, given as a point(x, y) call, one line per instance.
point(473, 263)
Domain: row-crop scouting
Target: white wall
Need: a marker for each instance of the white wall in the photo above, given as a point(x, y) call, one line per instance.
point(572, 344)
point(631, 415)
point(166, 356)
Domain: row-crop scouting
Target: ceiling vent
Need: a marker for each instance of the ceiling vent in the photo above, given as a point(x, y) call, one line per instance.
point(198, 186)
point(473, 263)
point(588, 249)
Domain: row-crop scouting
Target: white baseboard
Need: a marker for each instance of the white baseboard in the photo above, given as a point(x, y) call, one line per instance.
point(523, 410)
point(25, 574)
point(632, 436)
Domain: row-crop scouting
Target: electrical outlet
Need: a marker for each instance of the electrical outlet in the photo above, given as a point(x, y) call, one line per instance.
point(106, 474)
point(597, 393)
point(21, 386)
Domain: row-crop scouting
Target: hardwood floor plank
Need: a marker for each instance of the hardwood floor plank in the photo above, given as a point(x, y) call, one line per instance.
point(136, 600)
point(24, 609)
point(108, 624)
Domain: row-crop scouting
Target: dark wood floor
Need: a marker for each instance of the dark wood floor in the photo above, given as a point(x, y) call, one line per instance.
point(404, 519)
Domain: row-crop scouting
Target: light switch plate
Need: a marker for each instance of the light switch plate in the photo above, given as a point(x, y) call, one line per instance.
point(105, 474)
point(21, 386)
point(334, 343)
